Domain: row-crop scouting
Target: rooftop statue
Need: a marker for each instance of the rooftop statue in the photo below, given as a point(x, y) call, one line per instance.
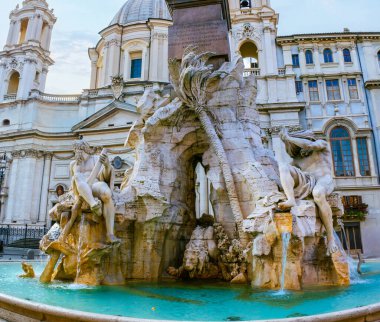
point(309, 174)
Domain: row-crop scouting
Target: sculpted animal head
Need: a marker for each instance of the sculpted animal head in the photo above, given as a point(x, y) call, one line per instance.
point(194, 261)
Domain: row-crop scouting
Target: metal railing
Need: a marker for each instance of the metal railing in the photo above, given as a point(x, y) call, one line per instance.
point(19, 235)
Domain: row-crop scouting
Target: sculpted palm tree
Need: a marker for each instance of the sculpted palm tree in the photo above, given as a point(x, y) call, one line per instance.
point(192, 79)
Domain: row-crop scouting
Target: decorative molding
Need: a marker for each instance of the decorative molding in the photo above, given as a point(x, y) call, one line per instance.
point(275, 130)
point(159, 35)
point(247, 31)
point(29, 153)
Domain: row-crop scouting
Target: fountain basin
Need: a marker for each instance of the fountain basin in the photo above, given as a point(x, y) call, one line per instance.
point(193, 301)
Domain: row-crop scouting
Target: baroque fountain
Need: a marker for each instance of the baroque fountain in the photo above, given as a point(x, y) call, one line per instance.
point(272, 225)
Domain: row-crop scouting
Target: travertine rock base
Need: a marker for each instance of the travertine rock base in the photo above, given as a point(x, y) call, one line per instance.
point(307, 261)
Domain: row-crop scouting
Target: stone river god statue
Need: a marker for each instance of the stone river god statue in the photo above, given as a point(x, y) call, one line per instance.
point(309, 173)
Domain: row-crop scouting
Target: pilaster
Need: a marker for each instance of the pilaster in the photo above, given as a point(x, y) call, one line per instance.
point(45, 188)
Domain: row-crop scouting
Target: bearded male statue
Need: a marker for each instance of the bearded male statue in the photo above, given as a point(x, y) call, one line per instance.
point(310, 173)
point(92, 177)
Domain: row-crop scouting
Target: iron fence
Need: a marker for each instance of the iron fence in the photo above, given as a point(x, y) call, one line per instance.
point(21, 235)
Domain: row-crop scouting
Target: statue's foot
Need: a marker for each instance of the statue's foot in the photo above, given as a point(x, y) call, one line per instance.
point(97, 209)
point(286, 205)
point(331, 247)
point(111, 239)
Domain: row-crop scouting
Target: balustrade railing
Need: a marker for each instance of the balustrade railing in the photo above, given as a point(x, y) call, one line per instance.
point(59, 98)
point(282, 71)
point(250, 71)
point(10, 97)
point(19, 235)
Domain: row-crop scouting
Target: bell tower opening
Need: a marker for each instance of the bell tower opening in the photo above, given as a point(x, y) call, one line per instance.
point(13, 83)
point(250, 54)
point(23, 28)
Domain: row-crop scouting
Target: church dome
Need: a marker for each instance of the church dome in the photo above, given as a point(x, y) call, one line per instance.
point(141, 10)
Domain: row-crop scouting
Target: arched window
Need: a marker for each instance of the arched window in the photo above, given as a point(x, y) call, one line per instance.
point(309, 57)
point(347, 55)
point(249, 52)
point(342, 152)
point(245, 3)
point(328, 56)
point(6, 122)
point(13, 83)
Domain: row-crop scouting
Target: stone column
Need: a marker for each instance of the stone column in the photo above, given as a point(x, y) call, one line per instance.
point(37, 188)
point(371, 157)
point(3, 87)
point(316, 59)
point(48, 37)
point(10, 33)
point(13, 189)
point(4, 190)
point(16, 32)
point(355, 157)
point(153, 56)
point(27, 78)
point(29, 30)
point(370, 61)
point(94, 68)
point(341, 59)
point(288, 60)
point(346, 94)
point(268, 51)
point(45, 189)
point(112, 60)
point(38, 28)
point(354, 56)
point(302, 59)
point(22, 210)
point(43, 79)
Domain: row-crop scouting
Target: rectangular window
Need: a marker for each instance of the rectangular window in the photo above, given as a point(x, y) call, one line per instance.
point(299, 88)
point(296, 60)
point(363, 156)
point(313, 91)
point(136, 68)
point(333, 90)
point(351, 236)
point(353, 88)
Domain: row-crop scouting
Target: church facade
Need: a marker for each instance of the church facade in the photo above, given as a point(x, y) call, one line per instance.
point(329, 83)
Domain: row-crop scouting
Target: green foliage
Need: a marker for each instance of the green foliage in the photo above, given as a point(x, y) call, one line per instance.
point(355, 214)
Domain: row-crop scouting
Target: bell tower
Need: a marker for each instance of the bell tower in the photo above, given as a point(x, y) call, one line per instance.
point(25, 60)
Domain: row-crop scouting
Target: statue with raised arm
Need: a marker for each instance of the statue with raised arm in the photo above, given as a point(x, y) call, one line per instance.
point(92, 177)
point(310, 173)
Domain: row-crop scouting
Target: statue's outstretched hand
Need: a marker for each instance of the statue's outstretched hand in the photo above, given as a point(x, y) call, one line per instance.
point(104, 160)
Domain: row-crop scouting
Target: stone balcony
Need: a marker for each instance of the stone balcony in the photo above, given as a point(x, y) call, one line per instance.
point(250, 71)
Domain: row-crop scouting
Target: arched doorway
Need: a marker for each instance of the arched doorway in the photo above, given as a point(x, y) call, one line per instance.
point(13, 83)
point(250, 54)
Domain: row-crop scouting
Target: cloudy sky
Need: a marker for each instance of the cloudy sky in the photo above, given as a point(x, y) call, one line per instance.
point(79, 22)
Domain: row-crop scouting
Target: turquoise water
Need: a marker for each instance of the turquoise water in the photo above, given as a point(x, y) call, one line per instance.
point(193, 300)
